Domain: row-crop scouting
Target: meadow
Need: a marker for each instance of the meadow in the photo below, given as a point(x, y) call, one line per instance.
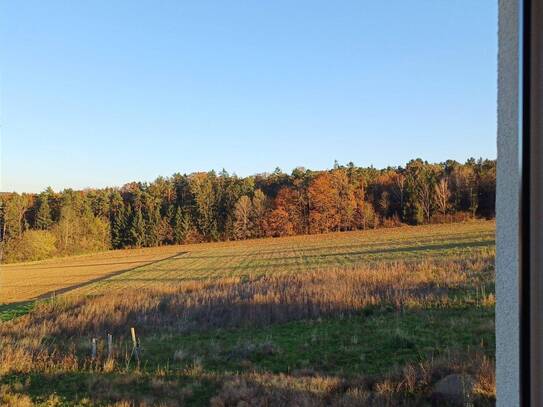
point(375, 317)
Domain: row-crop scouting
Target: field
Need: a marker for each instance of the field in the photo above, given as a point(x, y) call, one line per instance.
point(49, 277)
point(354, 318)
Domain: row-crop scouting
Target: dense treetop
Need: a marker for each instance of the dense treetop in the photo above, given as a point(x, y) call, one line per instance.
point(208, 206)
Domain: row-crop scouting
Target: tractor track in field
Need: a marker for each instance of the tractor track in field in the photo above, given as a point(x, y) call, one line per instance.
point(51, 294)
point(54, 293)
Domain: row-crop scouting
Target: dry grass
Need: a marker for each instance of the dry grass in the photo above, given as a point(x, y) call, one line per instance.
point(234, 302)
point(411, 385)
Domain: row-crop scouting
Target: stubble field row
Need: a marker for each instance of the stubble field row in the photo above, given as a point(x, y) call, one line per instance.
point(253, 258)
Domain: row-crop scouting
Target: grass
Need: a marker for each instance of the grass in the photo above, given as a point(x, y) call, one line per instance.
point(358, 318)
point(14, 310)
point(348, 346)
point(23, 282)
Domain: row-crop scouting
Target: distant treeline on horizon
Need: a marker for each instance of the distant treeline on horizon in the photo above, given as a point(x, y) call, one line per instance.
point(207, 206)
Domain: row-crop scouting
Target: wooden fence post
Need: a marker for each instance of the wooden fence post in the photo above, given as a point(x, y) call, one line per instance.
point(93, 348)
point(109, 346)
point(136, 345)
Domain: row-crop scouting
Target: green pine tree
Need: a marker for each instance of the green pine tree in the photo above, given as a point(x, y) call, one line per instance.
point(118, 218)
point(152, 226)
point(181, 225)
point(43, 215)
point(136, 233)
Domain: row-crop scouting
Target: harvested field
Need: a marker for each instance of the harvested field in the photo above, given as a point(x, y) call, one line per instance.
point(28, 281)
point(294, 255)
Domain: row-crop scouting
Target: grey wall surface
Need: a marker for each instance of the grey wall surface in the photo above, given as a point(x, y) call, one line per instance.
point(507, 207)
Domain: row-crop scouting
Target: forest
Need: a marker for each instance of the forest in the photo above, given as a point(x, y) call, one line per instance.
point(210, 206)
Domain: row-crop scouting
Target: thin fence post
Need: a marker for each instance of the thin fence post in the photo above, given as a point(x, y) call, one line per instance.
point(136, 344)
point(109, 346)
point(93, 348)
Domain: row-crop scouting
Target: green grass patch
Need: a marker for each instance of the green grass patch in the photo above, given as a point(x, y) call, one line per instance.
point(11, 311)
point(343, 346)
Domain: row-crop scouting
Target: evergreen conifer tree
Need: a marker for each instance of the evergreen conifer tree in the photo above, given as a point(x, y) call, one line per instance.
point(181, 225)
point(137, 229)
point(43, 215)
point(119, 221)
point(152, 226)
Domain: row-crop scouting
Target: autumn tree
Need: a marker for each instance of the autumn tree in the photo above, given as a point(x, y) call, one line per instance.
point(288, 200)
point(78, 230)
point(344, 198)
point(243, 226)
point(14, 209)
point(205, 206)
point(442, 195)
point(33, 245)
point(278, 223)
point(421, 182)
point(384, 203)
point(364, 216)
point(258, 214)
point(323, 204)
point(398, 192)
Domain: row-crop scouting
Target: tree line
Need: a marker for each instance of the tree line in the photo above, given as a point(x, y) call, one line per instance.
point(207, 206)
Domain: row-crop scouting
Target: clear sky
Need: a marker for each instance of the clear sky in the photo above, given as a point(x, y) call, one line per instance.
point(100, 93)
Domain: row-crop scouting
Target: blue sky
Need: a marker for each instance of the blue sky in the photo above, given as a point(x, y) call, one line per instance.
point(100, 93)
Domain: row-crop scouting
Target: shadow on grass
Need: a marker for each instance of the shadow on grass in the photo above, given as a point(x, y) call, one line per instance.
point(458, 239)
point(320, 362)
point(402, 249)
point(96, 388)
